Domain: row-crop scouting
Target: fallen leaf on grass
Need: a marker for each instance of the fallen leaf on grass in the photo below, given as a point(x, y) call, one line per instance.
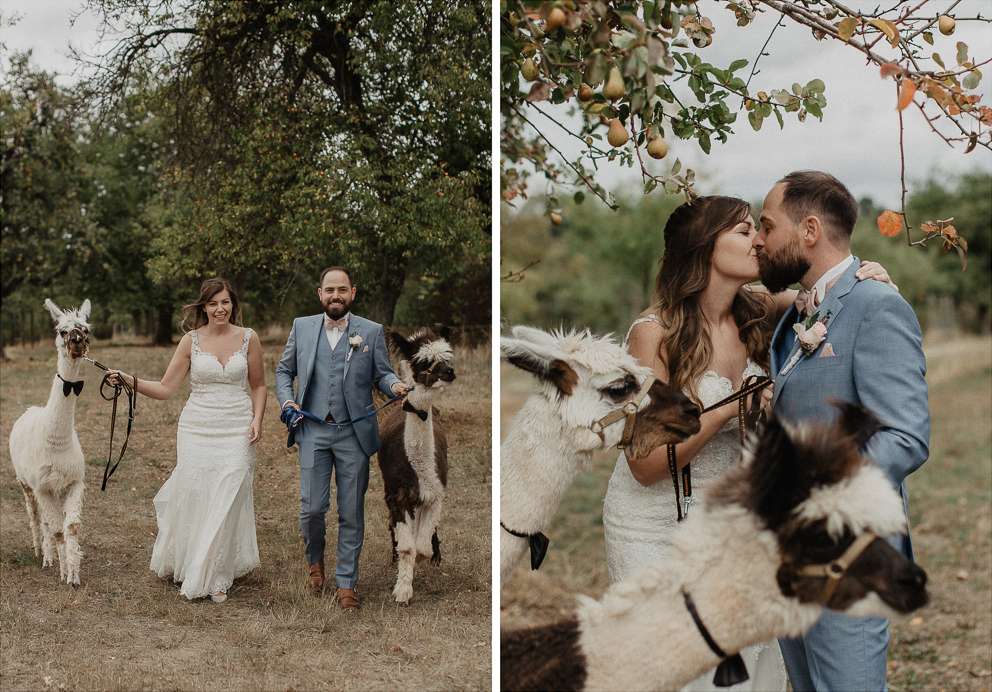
point(916, 621)
point(962, 575)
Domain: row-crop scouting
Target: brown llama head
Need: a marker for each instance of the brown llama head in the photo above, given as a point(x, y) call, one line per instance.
point(424, 357)
point(72, 330)
point(812, 486)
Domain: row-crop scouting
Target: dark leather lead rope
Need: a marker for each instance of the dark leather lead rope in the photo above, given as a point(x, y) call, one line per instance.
point(132, 407)
point(749, 419)
point(731, 669)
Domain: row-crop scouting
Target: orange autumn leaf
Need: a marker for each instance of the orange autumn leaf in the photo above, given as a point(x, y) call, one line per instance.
point(906, 93)
point(891, 68)
point(928, 227)
point(889, 223)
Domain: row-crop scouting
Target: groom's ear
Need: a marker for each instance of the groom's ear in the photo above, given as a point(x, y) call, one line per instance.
point(812, 231)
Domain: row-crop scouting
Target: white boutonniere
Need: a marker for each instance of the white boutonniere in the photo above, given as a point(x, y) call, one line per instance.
point(812, 333)
point(354, 341)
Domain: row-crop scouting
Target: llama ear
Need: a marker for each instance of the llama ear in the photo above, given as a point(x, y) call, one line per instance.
point(84, 311)
point(444, 331)
point(54, 311)
point(534, 336)
point(856, 422)
point(399, 344)
point(532, 358)
point(775, 478)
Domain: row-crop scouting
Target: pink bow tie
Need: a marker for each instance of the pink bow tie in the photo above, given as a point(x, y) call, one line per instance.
point(341, 324)
point(806, 301)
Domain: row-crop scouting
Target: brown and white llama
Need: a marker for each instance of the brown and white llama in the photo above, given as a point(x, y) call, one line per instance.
point(753, 562)
point(46, 453)
point(414, 454)
point(579, 380)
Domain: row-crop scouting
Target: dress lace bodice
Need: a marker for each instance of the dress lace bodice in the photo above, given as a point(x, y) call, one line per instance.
point(208, 375)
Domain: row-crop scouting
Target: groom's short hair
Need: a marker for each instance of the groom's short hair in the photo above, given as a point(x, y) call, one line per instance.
point(813, 193)
point(347, 272)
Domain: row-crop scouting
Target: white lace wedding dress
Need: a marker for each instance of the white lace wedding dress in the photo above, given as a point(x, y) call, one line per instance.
point(205, 510)
point(639, 523)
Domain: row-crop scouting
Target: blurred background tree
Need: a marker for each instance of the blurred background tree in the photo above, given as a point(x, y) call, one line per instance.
point(597, 268)
point(260, 141)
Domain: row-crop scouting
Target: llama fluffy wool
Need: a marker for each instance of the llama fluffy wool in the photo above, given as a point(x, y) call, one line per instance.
point(48, 458)
point(738, 559)
point(550, 442)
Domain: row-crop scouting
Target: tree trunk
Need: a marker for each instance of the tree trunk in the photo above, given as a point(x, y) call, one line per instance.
point(381, 302)
point(163, 325)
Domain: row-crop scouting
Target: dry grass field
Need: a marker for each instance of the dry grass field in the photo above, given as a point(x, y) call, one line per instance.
point(948, 644)
point(126, 629)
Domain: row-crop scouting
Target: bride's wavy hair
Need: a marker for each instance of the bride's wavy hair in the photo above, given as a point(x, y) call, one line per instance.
point(690, 236)
point(196, 311)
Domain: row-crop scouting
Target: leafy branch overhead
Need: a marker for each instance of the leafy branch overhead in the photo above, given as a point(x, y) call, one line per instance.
point(635, 73)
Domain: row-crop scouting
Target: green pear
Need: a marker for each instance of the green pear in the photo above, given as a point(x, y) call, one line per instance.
point(529, 70)
point(657, 149)
point(614, 84)
point(617, 136)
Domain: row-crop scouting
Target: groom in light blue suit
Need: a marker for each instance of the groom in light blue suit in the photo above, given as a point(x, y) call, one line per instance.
point(336, 358)
point(871, 355)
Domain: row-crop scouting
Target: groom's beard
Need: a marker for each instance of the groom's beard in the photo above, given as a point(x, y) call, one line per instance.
point(337, 310)
point(781, 270)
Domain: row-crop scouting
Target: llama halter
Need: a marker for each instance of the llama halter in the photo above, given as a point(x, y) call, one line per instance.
point(834, 570)
point(629, 411)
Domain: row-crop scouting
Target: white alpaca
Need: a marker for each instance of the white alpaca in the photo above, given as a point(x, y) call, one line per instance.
point(414, 455)
point(802, 498)
point(46, 454)
point(579, 379)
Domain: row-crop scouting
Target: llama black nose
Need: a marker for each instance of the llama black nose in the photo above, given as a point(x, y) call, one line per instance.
point(913, 577)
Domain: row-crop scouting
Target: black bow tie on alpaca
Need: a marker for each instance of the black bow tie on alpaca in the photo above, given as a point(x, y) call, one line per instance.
point(407, 406)
point(67, 387)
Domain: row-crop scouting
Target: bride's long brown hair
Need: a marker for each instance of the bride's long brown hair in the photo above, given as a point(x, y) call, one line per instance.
point(690, 236)
point(196, 311)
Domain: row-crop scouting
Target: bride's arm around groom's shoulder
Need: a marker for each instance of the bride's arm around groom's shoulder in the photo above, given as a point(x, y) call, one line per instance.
point(889, 372)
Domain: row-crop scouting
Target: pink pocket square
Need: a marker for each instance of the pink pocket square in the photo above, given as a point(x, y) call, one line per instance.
point(828, 350)
point(367, 348)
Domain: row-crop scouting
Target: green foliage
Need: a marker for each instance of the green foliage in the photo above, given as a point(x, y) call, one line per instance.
point(551, 48)
point(924, 274)
point(307, 136)
point(597, 269)
point(44, 224)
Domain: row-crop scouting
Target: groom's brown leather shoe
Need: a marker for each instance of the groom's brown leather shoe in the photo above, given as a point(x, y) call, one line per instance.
point(317, 577)
point(347, 598)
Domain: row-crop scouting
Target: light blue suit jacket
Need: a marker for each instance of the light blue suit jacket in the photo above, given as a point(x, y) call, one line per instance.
point(363, 369)
point(878, 364)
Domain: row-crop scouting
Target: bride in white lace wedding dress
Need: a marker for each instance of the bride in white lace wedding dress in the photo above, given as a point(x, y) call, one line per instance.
point(205, 510)
point(639, 522)
point(701, 350)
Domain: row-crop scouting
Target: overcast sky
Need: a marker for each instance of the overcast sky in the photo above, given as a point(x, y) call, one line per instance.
point(857, 141)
